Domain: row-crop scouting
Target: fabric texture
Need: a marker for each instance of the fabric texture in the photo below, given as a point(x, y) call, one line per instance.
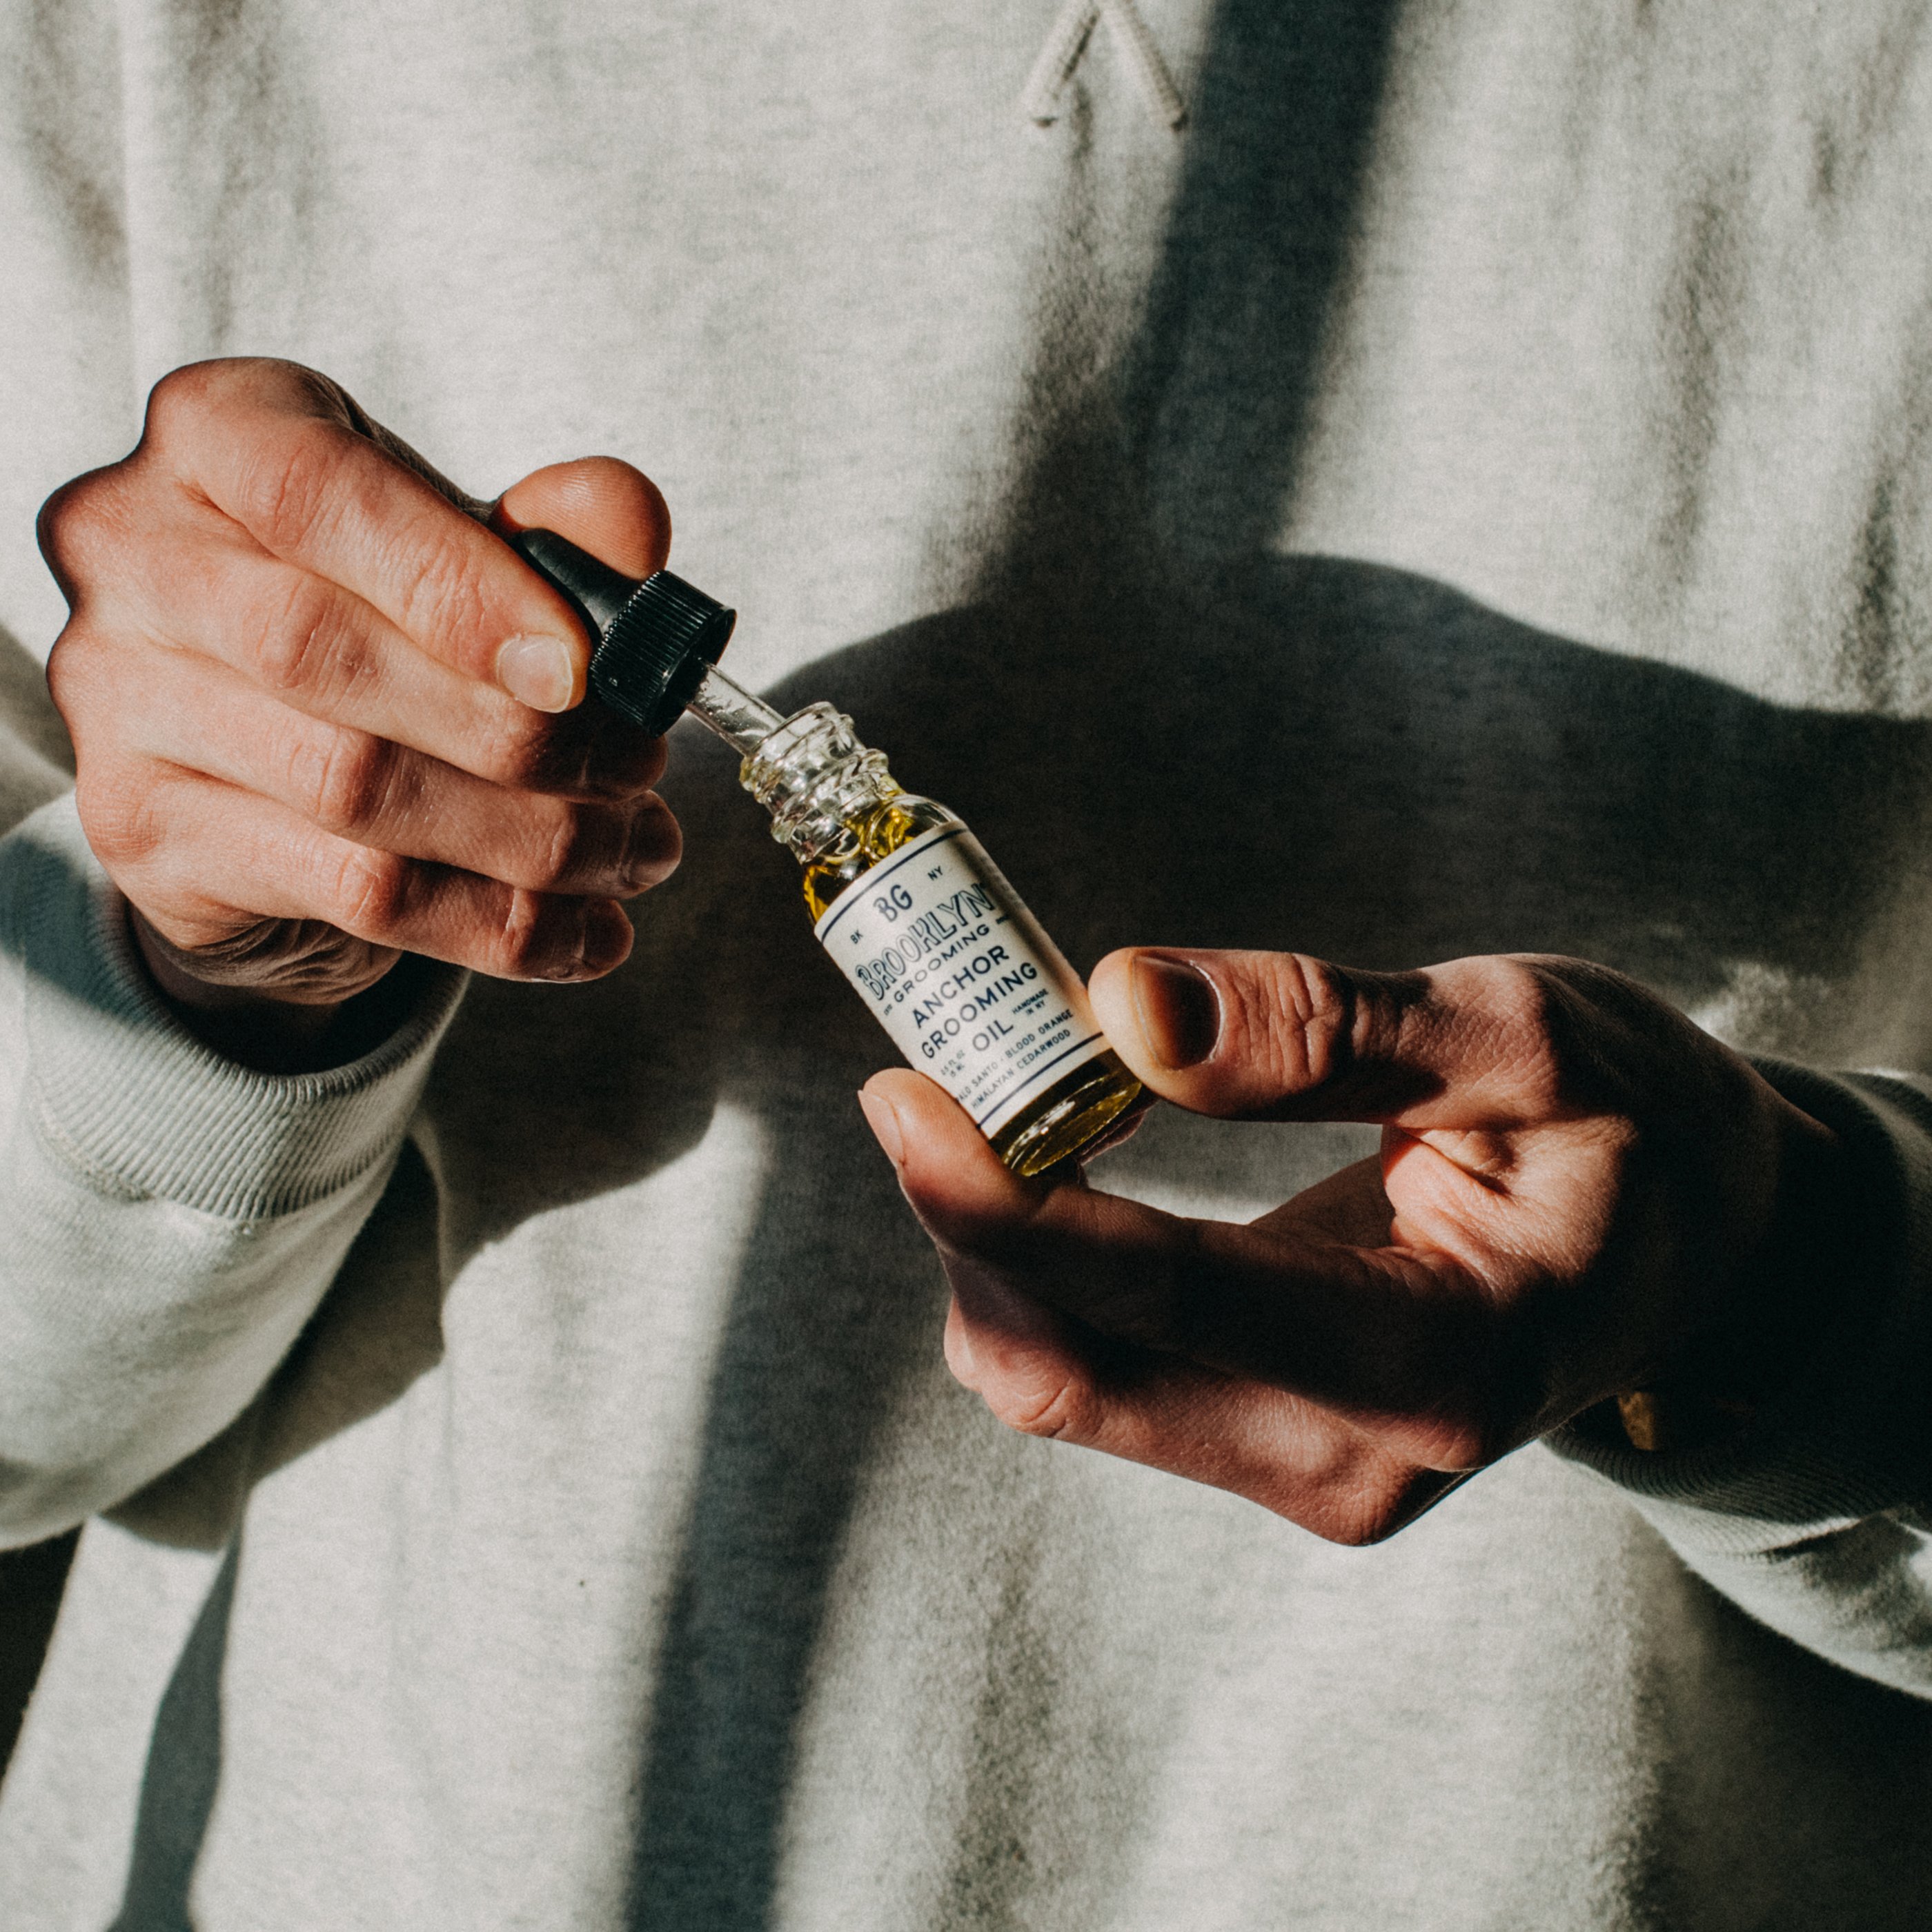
point(1466, 491)
point(130, 1099)
point(176, 1217)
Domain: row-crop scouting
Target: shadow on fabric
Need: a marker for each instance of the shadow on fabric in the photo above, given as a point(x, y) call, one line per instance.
point(184, 1771)
point(1316, 752)
point(1400, 774)
point(30, 1583)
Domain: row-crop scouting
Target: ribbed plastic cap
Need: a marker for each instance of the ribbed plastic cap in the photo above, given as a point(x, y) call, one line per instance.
point(658, 638)
point(657, 649)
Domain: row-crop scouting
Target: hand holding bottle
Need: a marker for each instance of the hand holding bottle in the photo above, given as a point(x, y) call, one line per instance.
point(323, 716)
point(1578, 1194)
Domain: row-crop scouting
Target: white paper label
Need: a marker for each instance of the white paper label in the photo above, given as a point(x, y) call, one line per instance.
point(961, 975)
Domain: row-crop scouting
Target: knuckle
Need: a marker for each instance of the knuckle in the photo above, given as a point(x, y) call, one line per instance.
point(371, 891)
point(284, 488)
point(78, 676)
point(81, 529)
point(1057, 1407)
point(345, 780)
point(298, 650)
point(446, 595)
point(184, 394)
point(566, 849)
point(527, 943)
point(578, 845)
point(1325, 1014)
point(122, 812)
point(61, 517)
point(1294, 1022)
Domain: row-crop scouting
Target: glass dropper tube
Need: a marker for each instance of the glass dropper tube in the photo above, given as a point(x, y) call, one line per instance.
point(730, 711)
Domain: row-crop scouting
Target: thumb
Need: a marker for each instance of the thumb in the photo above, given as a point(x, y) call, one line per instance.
point(1281, 1035)
point(601, 504)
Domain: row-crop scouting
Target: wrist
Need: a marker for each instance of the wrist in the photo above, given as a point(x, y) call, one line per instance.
point(299, 1030)
point(1770, 1320)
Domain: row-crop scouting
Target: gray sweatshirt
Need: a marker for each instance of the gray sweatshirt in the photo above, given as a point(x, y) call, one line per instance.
point(1466, 488)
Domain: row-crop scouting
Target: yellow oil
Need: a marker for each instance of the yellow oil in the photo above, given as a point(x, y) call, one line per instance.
point(1072, 1113)
point(877, 833)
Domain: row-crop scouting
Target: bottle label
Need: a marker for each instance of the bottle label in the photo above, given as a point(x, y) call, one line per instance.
point(961, 975)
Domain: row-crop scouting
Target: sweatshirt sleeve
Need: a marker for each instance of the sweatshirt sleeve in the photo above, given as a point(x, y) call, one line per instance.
point(170, 1219)
point(1815, 1518)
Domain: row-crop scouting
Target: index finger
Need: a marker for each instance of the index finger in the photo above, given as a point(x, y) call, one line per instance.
point(290, 456)
point(1399, 1339)
point(1283, 1037)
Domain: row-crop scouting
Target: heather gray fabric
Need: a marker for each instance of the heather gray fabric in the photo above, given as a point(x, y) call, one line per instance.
point(1466, 491)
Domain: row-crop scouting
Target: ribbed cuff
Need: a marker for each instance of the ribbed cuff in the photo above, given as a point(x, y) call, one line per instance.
point(139, 1105)
point(1842, 1440)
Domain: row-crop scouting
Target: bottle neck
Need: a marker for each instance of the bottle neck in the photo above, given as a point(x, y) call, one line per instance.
point(808, 771)
point(817, 781)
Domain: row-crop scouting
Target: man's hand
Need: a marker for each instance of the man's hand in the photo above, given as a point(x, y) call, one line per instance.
point(1579, 1193)
point(323, 717)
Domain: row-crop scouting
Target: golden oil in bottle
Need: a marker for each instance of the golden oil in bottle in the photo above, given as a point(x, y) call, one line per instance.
point(941, 948)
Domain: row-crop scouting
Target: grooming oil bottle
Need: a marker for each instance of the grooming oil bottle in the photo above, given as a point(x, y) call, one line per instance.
point(903, 898)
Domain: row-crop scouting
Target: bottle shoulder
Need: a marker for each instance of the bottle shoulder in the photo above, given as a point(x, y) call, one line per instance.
point(871, 835)
point(912, 816)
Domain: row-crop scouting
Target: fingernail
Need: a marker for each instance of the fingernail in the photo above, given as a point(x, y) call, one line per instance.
point(607, 939)
point(651, 846)
point(1179, 1011)
point(603, 938)
point(539, 672)
point(882, 1117)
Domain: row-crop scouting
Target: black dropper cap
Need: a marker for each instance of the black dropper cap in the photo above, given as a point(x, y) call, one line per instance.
point(656, 639)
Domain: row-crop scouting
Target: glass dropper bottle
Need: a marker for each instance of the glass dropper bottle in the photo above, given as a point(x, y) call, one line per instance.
point(904, 898)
